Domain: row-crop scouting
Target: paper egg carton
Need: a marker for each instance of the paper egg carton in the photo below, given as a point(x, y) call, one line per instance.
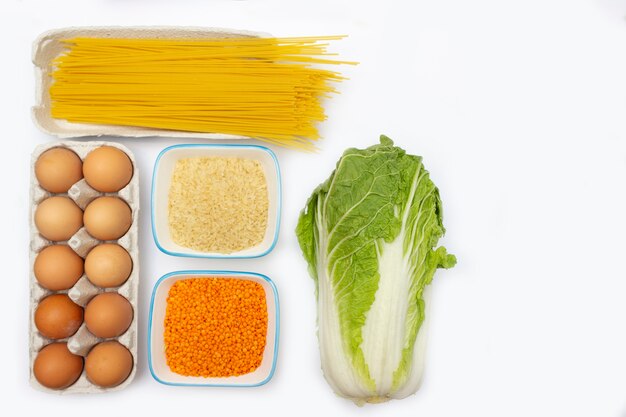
point(83, 291)
point(48, 46)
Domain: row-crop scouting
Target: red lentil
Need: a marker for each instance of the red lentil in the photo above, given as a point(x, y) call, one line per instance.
point(215, 327)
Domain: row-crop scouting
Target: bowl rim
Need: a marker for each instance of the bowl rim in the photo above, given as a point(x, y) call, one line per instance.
point(212, 255)
point(214, 273)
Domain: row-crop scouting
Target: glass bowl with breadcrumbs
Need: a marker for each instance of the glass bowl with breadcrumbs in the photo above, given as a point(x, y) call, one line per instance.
point(216, 201)
point(213, 328)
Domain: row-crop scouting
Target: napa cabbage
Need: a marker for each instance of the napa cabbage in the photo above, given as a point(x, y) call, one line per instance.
point(369, 235)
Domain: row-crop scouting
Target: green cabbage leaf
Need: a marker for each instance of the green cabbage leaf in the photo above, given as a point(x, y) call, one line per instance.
point(369, 235)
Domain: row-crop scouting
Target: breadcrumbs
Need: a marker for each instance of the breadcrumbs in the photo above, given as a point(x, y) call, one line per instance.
point(218, 204)
point(215, 327)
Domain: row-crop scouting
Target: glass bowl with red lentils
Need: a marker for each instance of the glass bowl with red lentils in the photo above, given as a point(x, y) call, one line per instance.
point(213, 328)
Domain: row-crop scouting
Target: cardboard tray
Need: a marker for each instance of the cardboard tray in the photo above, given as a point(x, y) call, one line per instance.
point(48, 46)
point(83, 291)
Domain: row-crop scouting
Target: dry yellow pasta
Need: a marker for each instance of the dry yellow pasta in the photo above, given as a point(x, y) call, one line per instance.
point(267, 88)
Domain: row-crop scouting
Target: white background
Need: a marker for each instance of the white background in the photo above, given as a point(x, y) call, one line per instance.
point(519, 109)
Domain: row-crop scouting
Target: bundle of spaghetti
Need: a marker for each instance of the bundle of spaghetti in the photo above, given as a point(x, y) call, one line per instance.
point(266, 88)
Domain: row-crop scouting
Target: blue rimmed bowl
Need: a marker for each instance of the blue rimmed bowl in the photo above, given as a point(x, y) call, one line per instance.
point(156, 347)
point(162, 178)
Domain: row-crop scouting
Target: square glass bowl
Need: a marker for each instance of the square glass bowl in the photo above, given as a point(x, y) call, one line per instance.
point(156, 348)
point(162, 178)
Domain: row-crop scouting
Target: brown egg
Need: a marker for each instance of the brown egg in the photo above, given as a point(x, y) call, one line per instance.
point(56, 367)
point(107, 169)
point(108, 265)
point(108, 315)
point(108, 364)
point(58, 218)
point(58, 267)
point(58, 317)
point(57, 169)
point(108, 218)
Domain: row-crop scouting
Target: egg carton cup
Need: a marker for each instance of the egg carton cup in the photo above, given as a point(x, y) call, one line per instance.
point(48, 46)
point(83, 291)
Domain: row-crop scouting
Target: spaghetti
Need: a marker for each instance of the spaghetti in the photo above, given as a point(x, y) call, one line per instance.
point(266, 88)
